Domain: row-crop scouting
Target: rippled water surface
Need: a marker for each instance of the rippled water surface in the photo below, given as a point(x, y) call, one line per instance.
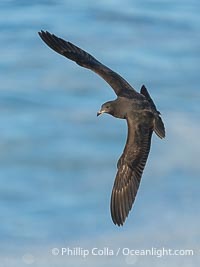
point(58, 161)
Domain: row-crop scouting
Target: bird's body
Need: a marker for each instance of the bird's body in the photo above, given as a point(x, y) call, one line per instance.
point(128, 107)
point(142, 119)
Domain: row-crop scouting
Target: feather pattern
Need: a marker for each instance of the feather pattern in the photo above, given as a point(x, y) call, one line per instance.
point(84, 59)
point(130, 169)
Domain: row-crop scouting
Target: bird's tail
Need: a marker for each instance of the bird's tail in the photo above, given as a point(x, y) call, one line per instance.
point(159, 127)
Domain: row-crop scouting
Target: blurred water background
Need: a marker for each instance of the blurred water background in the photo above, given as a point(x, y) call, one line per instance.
point(58, 161)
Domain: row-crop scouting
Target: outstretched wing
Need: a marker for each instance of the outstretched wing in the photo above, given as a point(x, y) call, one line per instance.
point(130, 169)
point(82, 58)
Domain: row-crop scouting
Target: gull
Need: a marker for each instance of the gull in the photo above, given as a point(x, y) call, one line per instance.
point(140, 113)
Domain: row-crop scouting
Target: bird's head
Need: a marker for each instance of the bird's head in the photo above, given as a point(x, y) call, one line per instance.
point(106, 108)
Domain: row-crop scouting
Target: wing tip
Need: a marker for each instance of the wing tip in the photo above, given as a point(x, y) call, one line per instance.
point(117, 223)
point(43, 33)
point(118, 213)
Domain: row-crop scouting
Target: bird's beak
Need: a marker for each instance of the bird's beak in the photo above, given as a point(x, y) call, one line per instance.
point(100, 112)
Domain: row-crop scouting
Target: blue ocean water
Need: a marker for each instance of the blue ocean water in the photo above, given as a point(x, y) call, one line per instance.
point(58, 161)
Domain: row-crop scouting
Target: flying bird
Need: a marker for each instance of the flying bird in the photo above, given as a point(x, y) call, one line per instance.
point(142, 117)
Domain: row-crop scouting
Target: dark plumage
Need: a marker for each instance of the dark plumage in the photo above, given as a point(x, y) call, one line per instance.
point(142, 119)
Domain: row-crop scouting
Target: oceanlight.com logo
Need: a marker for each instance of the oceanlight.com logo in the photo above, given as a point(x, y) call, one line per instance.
point(157, 252)
point(105, 251)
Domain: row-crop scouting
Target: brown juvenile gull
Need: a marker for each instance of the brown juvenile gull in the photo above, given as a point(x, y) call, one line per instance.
point(142, 117)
